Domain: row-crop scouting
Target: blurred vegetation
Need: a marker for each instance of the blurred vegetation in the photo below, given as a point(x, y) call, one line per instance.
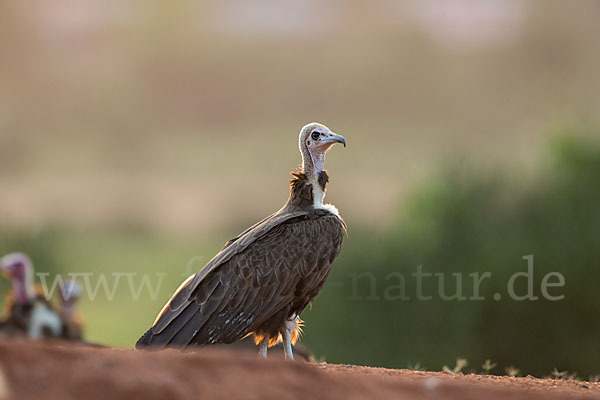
point(460, 222)
point(467, 222)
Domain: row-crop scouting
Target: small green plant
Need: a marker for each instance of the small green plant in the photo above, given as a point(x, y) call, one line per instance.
point(416, 367)
point(318, 360)
point(512, 371)
point(573, 376)
point(564, 375)
point(556, 374)
point(461, 363)
point(594, 378)
point(487, 366)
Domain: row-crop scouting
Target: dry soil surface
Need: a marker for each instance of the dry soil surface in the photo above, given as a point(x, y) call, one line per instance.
point(63, 371)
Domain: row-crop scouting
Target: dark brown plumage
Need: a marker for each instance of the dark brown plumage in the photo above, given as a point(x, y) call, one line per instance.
point(262, 280)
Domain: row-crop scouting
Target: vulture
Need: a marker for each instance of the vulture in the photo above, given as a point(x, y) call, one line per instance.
point(262, 279)
point(72, 322)
point(28, 311)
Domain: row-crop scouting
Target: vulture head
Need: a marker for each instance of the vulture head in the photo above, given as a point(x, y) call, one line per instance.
point(315, 140)
point(69, 294)
point(19, 269)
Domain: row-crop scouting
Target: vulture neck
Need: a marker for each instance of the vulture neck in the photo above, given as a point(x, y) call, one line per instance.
point(306, 191)
point(313, 166)
point(23, 291)
point(308, 186)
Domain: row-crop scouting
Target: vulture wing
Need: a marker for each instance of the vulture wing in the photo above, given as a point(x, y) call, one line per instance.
point(279, 264)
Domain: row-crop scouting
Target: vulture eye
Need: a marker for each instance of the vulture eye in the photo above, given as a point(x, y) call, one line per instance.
point(315, 135)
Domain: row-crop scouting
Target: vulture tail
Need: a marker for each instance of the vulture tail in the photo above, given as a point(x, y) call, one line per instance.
point(144, 341)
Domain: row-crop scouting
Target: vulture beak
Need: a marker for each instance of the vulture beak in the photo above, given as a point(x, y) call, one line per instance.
point(333, 138)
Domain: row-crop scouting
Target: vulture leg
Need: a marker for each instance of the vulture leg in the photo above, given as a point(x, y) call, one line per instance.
point(287, 343)
point(262, 347)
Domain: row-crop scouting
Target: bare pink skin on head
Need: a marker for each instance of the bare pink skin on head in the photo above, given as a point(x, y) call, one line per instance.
point(316, 139)
point(19, 268)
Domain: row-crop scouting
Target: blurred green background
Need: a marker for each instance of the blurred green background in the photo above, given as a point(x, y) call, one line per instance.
point(138, 137)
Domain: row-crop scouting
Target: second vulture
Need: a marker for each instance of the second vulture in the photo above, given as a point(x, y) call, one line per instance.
point(29, 312)
point(260, 282)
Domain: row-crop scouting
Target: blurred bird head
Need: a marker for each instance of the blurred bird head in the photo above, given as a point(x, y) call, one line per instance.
point(71, 291)
point(19, 269)
point(69, 294)
point(16, 266)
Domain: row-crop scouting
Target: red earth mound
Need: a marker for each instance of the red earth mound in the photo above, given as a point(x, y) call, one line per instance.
point(55, 370)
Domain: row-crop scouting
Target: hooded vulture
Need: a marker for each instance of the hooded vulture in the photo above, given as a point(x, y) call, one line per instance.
point(72, 322)
point(260, 282)
point(28, 311)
